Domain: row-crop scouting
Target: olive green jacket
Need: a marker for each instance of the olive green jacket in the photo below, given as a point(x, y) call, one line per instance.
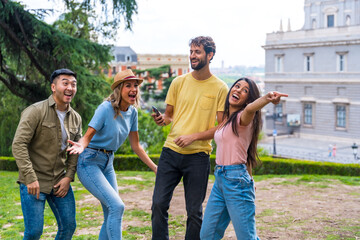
point(37, 145)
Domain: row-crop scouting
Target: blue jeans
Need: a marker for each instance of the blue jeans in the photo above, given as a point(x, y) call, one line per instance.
point(96, 172)
point(33, 211)
point(194, 169)
point(232, 198)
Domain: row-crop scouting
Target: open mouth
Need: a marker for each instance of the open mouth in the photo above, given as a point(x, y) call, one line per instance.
point(132, 96)
point(235, 96)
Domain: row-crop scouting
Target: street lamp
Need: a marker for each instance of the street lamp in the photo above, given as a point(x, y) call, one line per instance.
point(355, 150)
point(274, 134)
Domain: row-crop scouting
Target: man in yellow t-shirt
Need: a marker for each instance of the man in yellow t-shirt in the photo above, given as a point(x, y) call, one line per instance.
point(194, 102)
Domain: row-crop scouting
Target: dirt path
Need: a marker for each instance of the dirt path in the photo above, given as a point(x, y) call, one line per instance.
point(285, 210)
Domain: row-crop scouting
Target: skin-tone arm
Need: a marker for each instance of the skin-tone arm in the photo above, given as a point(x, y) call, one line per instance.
point(249, 112)
point(136, 147)
point(166, 118)
point(186, 140)
point(78, 147)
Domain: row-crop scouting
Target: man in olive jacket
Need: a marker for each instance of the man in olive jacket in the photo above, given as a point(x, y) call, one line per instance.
point(45, 168)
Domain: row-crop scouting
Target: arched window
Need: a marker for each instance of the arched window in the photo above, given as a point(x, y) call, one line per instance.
point(348, 20)
point(313, 23)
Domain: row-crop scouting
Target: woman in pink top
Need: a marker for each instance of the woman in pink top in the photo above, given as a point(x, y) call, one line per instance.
point(233, 196)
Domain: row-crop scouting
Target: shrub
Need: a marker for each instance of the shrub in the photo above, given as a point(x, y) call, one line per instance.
point(8, 164)
point(271, 165)
point(268, 165)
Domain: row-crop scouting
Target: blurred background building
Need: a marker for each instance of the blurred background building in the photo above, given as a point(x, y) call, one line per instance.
point(126, 57)
point(319, 67)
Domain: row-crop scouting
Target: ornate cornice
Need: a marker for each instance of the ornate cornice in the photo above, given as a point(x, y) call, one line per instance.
point(312, 44)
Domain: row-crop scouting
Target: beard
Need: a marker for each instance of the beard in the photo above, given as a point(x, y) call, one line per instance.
point(200, 65)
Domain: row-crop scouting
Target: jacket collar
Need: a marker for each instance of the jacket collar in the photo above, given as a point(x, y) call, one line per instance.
point(52, 103)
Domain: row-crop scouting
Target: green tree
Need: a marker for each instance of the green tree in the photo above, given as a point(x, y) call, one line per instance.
point(11, 107)
point(162, 95)
point(152, 137)
point(112, 14)
point(156, 73)
point(76, 22)
point(30, 50)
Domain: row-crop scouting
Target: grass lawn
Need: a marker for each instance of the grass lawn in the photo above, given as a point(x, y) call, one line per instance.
point(278, 213)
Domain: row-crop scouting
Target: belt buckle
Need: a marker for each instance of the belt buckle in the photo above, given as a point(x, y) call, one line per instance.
point(106, 151)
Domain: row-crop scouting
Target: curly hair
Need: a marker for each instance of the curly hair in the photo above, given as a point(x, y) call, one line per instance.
point(207, 42)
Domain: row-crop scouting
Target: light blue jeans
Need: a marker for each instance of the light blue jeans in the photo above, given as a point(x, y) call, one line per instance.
point(96, 172)
point(232, 198)
point(33, 211)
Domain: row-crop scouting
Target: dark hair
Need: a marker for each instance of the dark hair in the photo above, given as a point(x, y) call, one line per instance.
point(61, 71)
point(254, 94)
point(207, 42)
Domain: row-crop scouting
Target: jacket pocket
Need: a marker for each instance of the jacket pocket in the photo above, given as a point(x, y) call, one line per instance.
point(48, 130)
point(73, 133)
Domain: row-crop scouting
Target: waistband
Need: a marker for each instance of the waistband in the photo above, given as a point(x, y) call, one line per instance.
point(102, 150)
point(231, 167)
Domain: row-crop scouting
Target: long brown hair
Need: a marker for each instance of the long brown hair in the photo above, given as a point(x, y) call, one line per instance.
point(115, 99)
point(254, 93)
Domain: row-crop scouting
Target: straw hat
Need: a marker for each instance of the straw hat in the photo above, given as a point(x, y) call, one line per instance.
point(124, 76)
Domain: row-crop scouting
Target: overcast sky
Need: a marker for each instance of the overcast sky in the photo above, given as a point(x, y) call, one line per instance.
point(238, 27)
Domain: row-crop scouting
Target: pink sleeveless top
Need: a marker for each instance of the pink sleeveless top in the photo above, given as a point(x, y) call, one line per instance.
point(232, 149)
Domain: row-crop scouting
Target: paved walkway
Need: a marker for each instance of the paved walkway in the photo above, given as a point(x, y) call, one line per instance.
point(303, 148)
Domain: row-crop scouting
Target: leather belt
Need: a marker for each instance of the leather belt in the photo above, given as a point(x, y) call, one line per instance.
point(102, 150)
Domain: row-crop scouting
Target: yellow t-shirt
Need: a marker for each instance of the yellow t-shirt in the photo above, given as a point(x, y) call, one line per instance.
point(195, 106)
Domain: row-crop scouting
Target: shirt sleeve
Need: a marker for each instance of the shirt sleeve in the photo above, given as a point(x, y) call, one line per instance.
point(172, 93)
point(134, 123)
point(222, 98)
point(25, 131)
point(98, 120)
point(73, 158)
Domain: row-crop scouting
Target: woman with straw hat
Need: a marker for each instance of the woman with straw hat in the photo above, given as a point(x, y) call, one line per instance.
point(114, 120)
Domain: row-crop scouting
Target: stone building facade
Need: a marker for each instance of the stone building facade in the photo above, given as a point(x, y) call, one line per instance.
point(319, 67)
point(126, 57)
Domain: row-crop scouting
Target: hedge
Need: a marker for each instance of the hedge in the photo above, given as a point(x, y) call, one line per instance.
point(268, 165)
point(8, 164)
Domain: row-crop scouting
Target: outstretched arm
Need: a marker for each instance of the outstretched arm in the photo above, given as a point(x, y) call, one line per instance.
point(78, 147)
point(249, 112)
point(136, 147)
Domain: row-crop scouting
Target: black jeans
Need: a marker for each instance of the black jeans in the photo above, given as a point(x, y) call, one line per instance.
point(194, 168)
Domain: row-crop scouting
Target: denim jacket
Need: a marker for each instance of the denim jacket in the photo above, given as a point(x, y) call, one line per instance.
point(37, 145)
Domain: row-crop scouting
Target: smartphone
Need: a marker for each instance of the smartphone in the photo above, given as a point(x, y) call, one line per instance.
point(156, 111)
